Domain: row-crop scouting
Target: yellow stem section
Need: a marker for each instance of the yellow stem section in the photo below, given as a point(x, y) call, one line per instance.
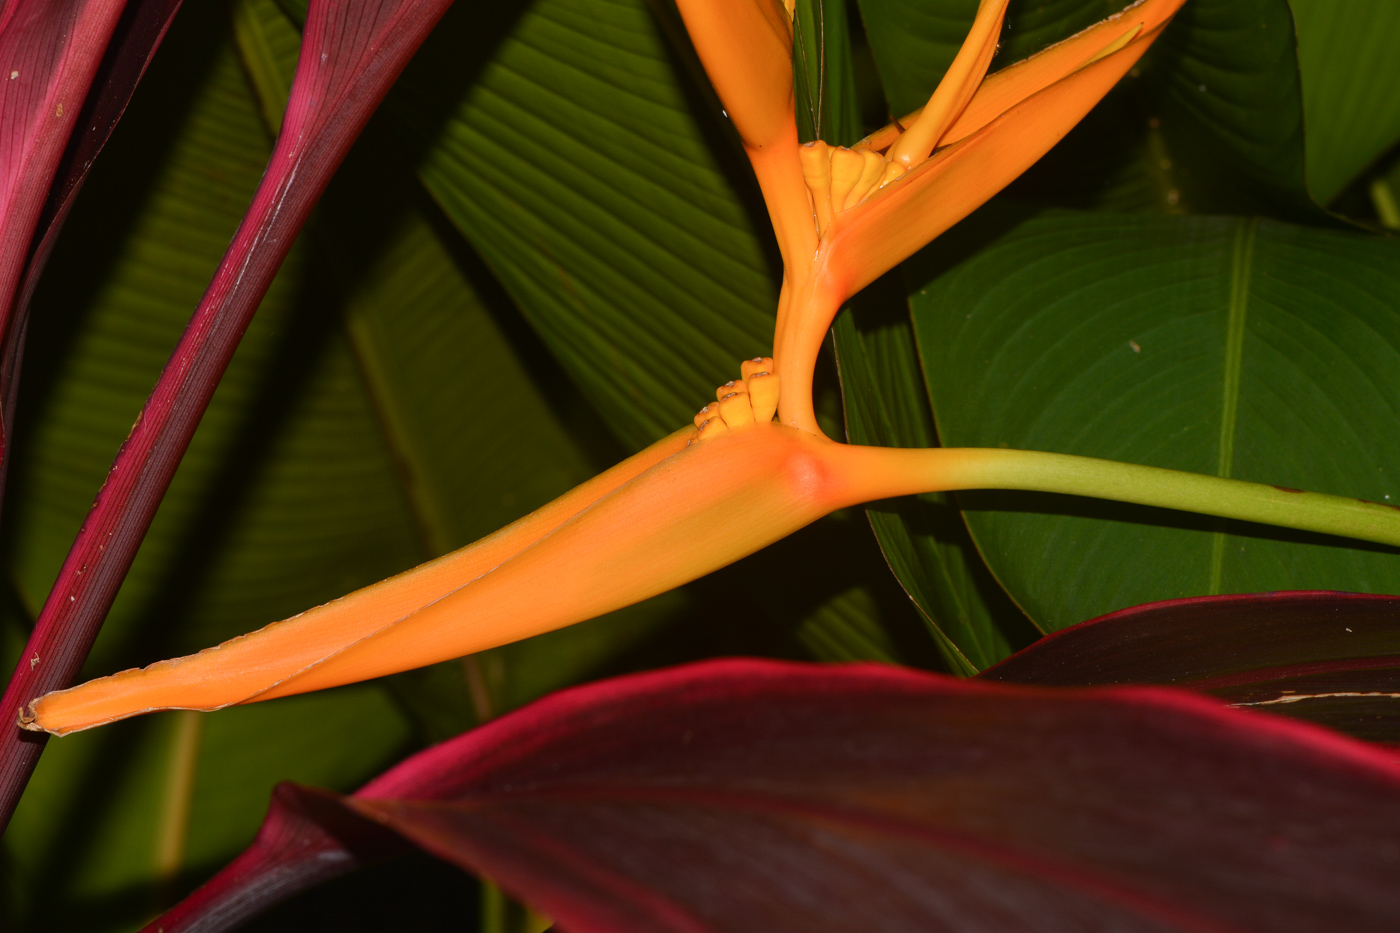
point(804, 318)
point(695, 511)
point(905, 472)
point(779, 172)
point(745, 47)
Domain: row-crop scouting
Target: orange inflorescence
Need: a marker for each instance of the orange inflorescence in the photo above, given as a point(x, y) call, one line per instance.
point(681, 509)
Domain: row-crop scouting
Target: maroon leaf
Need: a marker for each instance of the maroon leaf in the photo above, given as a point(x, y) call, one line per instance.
point(352, 50)
point(1331, 658)
point(49, 53)
point(137, 35)
point(754, 795)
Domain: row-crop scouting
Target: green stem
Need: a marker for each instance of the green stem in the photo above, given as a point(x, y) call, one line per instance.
point(1034, 471)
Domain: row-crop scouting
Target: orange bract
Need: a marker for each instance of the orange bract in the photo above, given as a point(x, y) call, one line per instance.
point(1014, 118)
point(693, 512)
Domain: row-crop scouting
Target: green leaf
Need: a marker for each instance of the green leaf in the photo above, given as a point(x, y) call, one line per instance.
point(268, 42)
point(576, 168)
point(1232, 347)
point(1277, 105)
point(1227, 82)
point(1351, 87)
point(823, 73)
point(1385, 197)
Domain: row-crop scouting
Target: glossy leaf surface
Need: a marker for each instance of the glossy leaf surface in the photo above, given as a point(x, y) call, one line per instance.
point(1330, 658)
point(1241, 348)
point(49, 55)
point(310, 505)
point(821, 798)
point(1231, 106)
point(1346, 55)
point(351, 55)
point(576, 167)
point(134, 40)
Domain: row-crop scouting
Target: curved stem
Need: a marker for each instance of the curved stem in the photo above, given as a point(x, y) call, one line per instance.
point(804, 318)
point(884, 473)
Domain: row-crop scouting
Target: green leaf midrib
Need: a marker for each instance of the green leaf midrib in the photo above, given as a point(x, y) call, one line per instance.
point(1241, 261)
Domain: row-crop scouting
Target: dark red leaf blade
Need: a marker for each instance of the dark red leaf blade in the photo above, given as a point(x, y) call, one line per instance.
point(50, 51)
point(1330, 658)
point(352, 51)
point(133, 43)
point(755, 795)
point(135, 38)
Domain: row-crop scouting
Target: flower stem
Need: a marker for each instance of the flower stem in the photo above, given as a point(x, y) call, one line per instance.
point(910, 471)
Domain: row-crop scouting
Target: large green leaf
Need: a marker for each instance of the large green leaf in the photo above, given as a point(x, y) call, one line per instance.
point(1279, 104)
point(1351, 87)
point(575, 166)
point(823, 73)
point(1233, 347)
point(1226, 74)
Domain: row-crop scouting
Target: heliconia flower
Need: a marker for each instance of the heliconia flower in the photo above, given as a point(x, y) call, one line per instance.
point(737, 480)
point(871, 206)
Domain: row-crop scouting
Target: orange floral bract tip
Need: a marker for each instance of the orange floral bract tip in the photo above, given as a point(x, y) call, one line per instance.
point(693, 512)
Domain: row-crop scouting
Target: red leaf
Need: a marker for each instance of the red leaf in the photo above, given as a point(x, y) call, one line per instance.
point(352, 50)
point(133, 44)
point(1331, 658)
point(49, 53)
point(753, 795)
point(134, 40)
